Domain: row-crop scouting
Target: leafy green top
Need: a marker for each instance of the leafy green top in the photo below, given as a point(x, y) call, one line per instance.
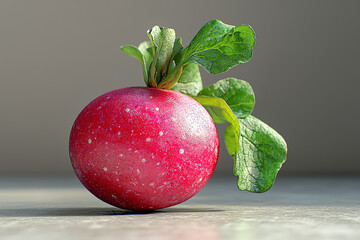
point(257, 149)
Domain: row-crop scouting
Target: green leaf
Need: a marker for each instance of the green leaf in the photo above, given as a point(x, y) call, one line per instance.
point(259, 152)
point(237, 93)
point(218, 47)
point(257, 149)
point(218, 109)
point(190, 80)
point(136, 53)
point(177, 47)
point(171, 79)
point(163, 39)
point(144, 48)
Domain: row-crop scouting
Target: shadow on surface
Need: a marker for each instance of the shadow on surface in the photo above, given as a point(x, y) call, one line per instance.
point(66, 212)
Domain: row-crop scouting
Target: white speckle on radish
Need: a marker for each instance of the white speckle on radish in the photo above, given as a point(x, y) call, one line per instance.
point(151, 184)
point(127, 109)
point(148, 139)
point(119, 133)
point(151, 97)
point(99, 108)
point(161, 133)
point(174, 119)
point(120, 155)
point(143, 160)
point(89, 141)
point(136, 151)
point(138, 171)
point(157, 109)
point(108, 97)
point(105, 169)
point(106, 143)
point(113, 196)
point(181, 151)
point(158, 163)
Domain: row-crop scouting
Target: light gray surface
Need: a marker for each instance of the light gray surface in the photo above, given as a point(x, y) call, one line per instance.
point(57, 56)
point(295, 208)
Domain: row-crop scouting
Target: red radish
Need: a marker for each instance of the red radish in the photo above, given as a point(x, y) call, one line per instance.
point(143, 148)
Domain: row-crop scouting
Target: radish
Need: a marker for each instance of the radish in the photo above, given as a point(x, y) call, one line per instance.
point(146, 148)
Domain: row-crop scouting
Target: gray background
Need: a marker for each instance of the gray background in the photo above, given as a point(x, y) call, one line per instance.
point(56, 56)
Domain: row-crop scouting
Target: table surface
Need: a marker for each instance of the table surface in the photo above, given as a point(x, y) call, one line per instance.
point(295, 208)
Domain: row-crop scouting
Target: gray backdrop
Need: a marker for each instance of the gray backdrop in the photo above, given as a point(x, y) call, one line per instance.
point(56, 56)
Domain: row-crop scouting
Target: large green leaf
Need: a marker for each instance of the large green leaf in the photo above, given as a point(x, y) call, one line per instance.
point(218, 47)
point(259, 152)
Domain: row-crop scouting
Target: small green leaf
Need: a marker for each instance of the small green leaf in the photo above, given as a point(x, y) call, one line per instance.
point(178, 46)
point(152, 34)
point(259, 152)
point(144, 48)
point(218, 109)
point(218, 47)
point(190, 80)
point(237, 93)
point(163, 39)
point(136, 53)
point(171, 79)
point(176, 49)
